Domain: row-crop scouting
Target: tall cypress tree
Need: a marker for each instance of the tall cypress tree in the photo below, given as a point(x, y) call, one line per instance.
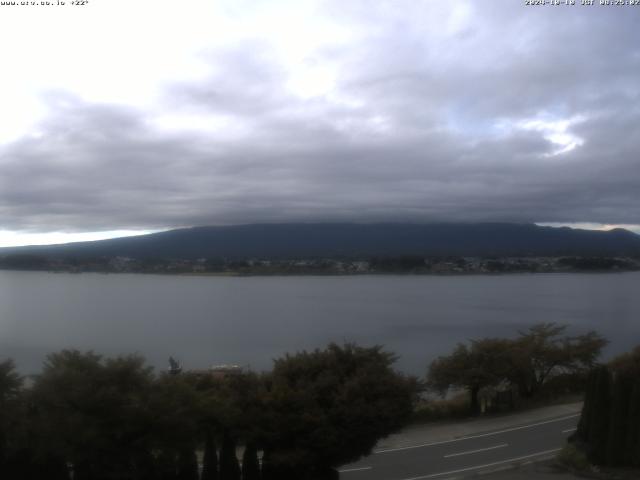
point(618, 421)
point(599, 422)
point(586, 418)
point(210, 460)
point(229, 466)
point(54, 468)
point(250, 463)
point(632, 448)
point(187, 465)
point(266, 469)
point(145, 466)
point(166, 466)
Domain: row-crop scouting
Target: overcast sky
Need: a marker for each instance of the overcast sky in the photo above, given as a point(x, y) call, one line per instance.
point(126, 116)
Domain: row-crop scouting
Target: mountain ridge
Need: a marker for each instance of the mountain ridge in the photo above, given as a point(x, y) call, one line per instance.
point(296, 240)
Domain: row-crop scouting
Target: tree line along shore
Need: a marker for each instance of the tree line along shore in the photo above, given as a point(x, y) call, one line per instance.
point(89, 417)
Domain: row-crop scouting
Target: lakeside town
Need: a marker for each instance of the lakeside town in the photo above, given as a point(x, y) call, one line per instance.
point(406, 264)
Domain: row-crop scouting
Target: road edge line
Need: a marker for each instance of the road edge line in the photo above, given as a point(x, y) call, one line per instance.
point(471, 437)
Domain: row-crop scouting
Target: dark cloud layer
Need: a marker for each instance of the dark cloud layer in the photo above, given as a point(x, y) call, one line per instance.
point(422, 124)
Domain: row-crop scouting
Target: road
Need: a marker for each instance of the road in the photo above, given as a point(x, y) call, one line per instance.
point(466, 455)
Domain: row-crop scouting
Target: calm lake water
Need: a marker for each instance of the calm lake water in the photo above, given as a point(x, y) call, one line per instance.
point(251, 320)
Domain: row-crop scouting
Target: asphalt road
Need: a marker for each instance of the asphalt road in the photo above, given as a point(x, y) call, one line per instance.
point(466, 455)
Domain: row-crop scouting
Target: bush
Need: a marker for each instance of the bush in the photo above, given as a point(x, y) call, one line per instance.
point(573, 458)
point(434, 410)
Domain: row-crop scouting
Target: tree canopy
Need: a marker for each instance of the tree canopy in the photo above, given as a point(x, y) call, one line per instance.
point(331, 406)
point(481, 364)
point(102, 418)
point(525, 363)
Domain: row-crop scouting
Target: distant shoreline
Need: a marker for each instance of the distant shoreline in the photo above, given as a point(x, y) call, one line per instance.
point(244, 274)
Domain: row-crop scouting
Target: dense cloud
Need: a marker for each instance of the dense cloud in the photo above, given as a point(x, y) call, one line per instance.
point(423, 111)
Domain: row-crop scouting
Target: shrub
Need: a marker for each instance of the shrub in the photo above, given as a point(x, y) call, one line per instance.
point(573, 458)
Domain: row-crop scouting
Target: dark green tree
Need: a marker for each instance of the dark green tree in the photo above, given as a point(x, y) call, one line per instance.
point(166, 465)
point(210, 459)
point(609, 428)
point(626, 368)
point(175, 408)
point(250, 463)
point(94, 413)
point(599, 428)
point(618, 420)
point(10, 389)
point(229, 466)
point(585, 423)
point(632, 450)
point(187, 464)
point(329, 407)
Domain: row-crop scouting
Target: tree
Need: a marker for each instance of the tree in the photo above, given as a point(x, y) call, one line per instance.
point(625, 447)
point(329, 407)
point(10, 390)
point(10, 381)
point(229, 466)
point(187, 468)
point(583, 431)
point(167, 467)
point(210, 459)
point(632, 450)
point(609, 428)
point(93, 413)
point(618, 426)
point(484, 363)
point(250, 464)
point(599, 430)
point(541, 352)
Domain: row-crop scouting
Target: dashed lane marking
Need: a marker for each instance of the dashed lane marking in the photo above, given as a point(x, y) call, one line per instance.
point(487, 465)
point(476, 451)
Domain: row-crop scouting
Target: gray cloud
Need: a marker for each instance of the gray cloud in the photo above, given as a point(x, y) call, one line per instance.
point(419, 127)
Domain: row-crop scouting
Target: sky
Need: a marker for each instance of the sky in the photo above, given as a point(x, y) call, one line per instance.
point(121, 117)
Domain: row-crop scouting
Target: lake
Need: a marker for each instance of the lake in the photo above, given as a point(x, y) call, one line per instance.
point(251, 320)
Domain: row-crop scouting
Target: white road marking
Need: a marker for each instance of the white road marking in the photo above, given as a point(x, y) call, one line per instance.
point(478, 467)
point(569, 430)
point(471, 437)
point(476, 451)
point(354, 469)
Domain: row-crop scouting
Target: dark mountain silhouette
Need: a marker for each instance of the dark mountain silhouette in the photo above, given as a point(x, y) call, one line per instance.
point(296, 240)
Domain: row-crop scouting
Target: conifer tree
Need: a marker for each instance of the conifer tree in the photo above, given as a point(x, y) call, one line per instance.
point(187, 465)
point(166, 466)
point(229, 466)
point(618, 421)
point(599, 421)
point(250, 463)
point(632, 450)
point(54, 468)
point(586, 417)
point(210, 460)
point(266, 470)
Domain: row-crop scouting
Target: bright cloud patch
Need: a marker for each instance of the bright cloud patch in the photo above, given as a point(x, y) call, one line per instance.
point(557, 132)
